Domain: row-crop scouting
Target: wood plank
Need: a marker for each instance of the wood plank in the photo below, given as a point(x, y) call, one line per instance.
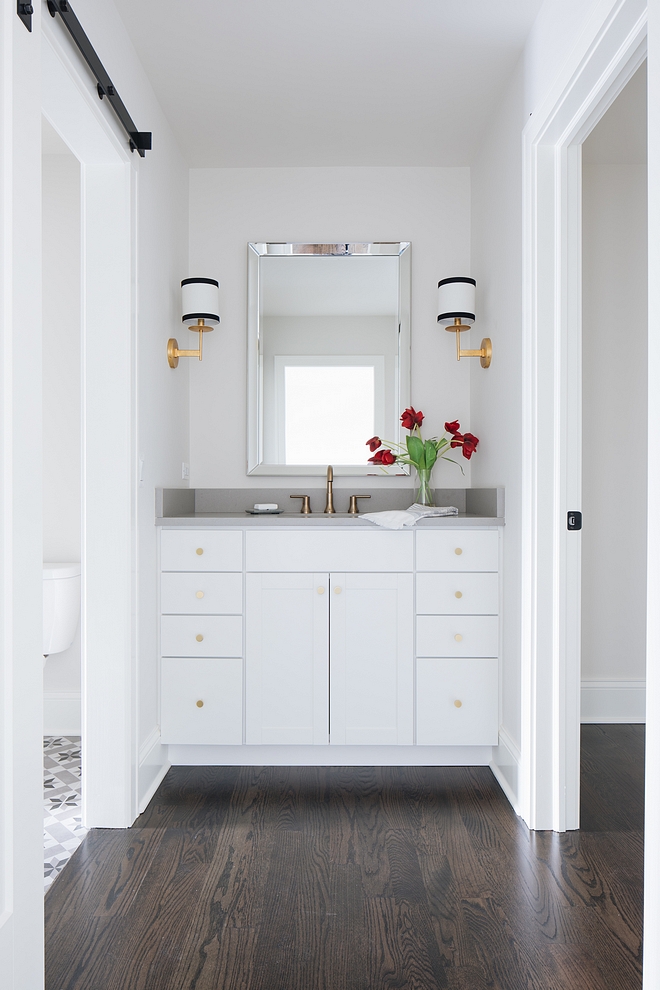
point(346, 878)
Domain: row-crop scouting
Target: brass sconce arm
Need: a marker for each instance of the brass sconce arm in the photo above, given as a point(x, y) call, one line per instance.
point(485, 352)
point(173, 351)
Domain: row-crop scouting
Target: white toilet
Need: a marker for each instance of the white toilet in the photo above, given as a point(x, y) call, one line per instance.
point(61, 606)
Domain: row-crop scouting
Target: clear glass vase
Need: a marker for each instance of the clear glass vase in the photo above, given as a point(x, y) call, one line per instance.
point(424, 492)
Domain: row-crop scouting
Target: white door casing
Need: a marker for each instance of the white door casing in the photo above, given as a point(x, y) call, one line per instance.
point(551, 415)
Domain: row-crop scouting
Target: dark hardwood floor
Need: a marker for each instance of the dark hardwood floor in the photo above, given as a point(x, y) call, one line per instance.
point(369, 879)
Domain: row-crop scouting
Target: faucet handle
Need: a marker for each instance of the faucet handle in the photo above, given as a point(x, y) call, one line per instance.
point(305, 507)
point(353, 506)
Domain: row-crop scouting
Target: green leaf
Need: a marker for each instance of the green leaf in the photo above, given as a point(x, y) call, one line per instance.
point(430, 454)
point(415, 451)
point(452, 461)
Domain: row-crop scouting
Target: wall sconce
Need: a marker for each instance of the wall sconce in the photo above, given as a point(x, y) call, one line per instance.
point(200, 304)
point(456, 297)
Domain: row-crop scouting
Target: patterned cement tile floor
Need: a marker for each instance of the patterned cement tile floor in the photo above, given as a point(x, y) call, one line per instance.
point(63, 831)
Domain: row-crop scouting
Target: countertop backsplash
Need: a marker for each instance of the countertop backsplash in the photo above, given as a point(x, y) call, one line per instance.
point(171, 502)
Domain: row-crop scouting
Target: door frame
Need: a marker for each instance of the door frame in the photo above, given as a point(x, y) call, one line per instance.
point(551, 415)
point(108, 413)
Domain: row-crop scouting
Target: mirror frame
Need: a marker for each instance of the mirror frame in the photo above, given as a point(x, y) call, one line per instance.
point(257, 250)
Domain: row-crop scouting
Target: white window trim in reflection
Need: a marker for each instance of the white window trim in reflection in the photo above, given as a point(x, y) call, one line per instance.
point(374, 361)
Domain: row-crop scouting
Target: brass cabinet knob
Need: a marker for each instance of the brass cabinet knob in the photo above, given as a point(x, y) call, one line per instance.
point(199, 551)
point(353, 506)
point(458, 704)
point(199, 637)
point(200, 704)
point(338, 591)
point(458, 594)
point(457, 551)
point(320, 590)
point(199, 594)
point(458, 638)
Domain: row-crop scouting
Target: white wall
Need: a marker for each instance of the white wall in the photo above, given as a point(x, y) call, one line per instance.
point(61, 412)
point(229, 207)
point(496, 392)
point(614, 457)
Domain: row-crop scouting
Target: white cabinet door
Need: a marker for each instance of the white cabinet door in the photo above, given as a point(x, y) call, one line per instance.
point(287, 658)
point(457, 635)
point(371, 659)
point(202, 702)
point(201, 550)
point(457, 550)
point(201, 635)
point(459, 593)
point(204, 593)
point(457, 702)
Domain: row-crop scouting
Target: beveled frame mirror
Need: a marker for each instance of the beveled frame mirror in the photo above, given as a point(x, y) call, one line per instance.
point(328, 355)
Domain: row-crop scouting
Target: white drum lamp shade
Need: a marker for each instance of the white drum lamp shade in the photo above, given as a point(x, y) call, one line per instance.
point(456, 299)
point(200, 300)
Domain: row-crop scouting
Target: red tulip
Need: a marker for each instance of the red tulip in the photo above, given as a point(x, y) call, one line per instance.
point(453, 427)
point(457, 440)
point(410, 419)
point(469, 445)
point(377, 458)
point(388, 457)
point(373, 444)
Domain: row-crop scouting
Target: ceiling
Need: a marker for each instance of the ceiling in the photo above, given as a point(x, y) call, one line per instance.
point(255, 83)
point(619, 138)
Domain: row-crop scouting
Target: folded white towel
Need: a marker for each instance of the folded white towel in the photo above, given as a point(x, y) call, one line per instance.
point(403, 518)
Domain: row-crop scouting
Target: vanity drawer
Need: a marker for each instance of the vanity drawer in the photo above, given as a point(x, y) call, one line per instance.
point(457, 703)
point(218, 684)
point(457, 635)
point(342, 551)
point(202, 593)
point(458, 593)
point(201, 550)
point(457, 550)
point(201, 635)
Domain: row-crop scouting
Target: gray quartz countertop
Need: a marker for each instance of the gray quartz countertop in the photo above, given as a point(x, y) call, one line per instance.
point(296, 520)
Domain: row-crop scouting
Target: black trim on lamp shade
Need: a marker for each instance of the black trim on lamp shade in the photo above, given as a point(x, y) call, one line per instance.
point(200, 316)
point(205, 281)
point(461, 316)
point(460, 278)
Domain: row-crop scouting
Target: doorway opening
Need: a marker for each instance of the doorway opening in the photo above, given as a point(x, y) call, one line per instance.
point(614, 431)
point(62, 503)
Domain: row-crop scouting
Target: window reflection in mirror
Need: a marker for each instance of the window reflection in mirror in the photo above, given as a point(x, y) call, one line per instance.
point(328, 354)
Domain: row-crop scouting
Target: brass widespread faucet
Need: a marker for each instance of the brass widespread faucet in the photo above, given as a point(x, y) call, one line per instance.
point(329, 505)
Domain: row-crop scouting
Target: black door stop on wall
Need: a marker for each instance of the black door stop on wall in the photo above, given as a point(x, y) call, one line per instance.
point(139, 141)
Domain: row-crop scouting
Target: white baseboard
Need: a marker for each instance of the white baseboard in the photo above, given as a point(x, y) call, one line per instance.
point(153, 765)
point(62, 714)
point(505, 765)
point(331, 756)
point(613, 700)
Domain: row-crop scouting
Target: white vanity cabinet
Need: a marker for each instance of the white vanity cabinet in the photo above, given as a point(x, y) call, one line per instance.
point(342, 636)
point(329, 653)
point(201, 635)
point(457, 606)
